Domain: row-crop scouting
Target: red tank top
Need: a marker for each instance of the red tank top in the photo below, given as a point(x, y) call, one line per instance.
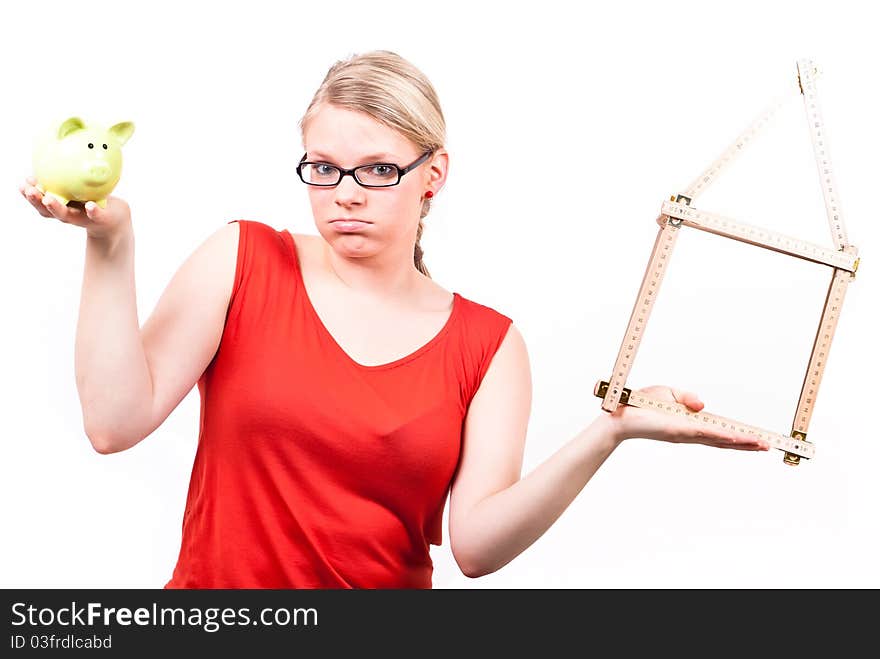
point(312, 470)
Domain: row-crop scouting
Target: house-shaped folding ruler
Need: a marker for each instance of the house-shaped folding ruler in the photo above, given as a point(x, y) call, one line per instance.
point(679, 211)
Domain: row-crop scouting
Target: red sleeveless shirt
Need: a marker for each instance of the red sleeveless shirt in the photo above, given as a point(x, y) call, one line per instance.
point(312, 470)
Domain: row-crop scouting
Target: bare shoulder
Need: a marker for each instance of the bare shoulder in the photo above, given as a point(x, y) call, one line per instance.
point(227, 236)
point(221, 250)
point(512, 356)
point(210, 268)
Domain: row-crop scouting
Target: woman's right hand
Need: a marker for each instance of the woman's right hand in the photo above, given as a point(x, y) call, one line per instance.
point(98, 222)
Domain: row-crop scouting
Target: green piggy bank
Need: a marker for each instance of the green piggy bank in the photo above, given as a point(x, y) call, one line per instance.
point(75, 161)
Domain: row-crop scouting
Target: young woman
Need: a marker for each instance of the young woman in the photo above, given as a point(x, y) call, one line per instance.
point(344, 393)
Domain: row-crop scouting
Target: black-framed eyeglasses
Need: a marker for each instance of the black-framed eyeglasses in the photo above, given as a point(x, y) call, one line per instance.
point(375, 175)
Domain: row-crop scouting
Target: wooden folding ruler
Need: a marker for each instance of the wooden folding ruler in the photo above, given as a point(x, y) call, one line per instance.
point(678, 212)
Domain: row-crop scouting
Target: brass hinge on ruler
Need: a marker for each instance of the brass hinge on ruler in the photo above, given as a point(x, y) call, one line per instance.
point(791, 458)
point(815, 72)
point(676, 221)
point(602, 389)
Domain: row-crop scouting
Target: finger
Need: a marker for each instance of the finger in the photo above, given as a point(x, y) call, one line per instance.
point(688, 398)
point(34, 196)
point(746, 443)
point(707, 435)
point(61, 211)
point(52, 205)
point(734, 445)
point(745, 447)
point(27, 190)
point(752, 440)
point(93, 211)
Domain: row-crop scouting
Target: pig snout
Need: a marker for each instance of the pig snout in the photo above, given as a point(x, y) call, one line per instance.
point(97, 173)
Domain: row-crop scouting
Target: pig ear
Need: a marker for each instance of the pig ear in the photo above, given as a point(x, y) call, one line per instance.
point(122, 131)
point(70, 125)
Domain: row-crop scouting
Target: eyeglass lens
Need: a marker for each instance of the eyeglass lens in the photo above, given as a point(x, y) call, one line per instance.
point(321, 174)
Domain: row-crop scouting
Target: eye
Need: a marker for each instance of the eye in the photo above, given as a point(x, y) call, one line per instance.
point(324, 169)
point(382, 170)
point(91, 146)
point(105, 146)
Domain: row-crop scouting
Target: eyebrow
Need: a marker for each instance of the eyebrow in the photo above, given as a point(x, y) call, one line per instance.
point(386, 157)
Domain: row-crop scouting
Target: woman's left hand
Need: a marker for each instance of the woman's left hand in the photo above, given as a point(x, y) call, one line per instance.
point(631, 422)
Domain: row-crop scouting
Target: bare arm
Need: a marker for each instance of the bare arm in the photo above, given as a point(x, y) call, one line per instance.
point(494, 513)
point(508, 522)
point(112, 374)
point(130, 379)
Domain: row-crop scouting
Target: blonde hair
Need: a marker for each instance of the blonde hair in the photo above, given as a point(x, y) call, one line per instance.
point(385, 86)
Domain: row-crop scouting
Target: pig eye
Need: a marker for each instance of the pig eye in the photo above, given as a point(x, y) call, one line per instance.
point(91, 146)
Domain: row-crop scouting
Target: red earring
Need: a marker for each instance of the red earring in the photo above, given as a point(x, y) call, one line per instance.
point(429, 194)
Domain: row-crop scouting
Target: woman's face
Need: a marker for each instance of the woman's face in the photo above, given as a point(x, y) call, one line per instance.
point(348, 139)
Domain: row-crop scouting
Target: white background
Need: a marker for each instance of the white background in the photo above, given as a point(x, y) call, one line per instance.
point(567, 128)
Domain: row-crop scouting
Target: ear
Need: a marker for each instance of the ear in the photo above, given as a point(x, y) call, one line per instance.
point(122, 131)
point(69, 126)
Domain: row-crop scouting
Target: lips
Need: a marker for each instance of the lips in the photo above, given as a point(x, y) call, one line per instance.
point(343, 225)
point(350, 219)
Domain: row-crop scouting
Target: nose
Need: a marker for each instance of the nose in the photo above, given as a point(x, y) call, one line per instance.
point(98, 172)
point(348, 191)
point(99, 169)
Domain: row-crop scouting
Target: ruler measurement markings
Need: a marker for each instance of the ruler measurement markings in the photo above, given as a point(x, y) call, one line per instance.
point(775, 440)
point(844, 261)
point(778, 242)
point(710, 174)
point(821, 347)
point(653, 277)
point(806, 74)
